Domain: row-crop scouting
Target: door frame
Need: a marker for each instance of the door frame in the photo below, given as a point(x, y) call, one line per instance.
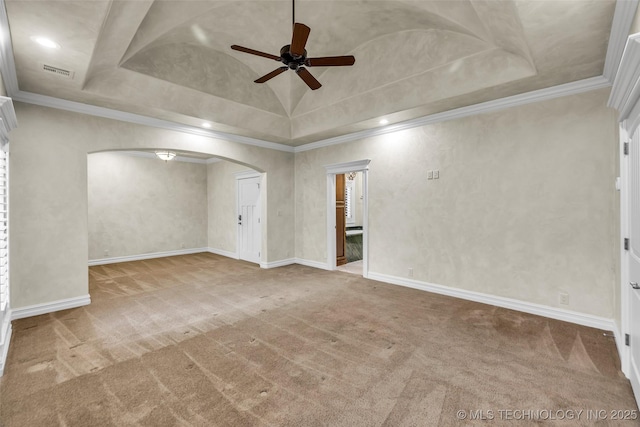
point(625, 312)
point(625, 98)
point(337, 169)
point(239, 176)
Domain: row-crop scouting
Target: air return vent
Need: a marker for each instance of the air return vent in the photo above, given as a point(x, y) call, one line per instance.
point(50, 69)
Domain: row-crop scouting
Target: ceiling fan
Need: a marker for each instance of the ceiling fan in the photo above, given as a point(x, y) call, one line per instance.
point(294, 57)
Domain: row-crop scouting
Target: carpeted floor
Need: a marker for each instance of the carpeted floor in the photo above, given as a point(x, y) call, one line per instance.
point(202, 340)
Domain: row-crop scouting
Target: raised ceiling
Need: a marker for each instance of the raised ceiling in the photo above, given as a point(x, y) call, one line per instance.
point(172, 59)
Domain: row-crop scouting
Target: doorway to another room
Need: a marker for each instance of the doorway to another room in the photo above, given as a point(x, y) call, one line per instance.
point(347, 217)
point(349, 231)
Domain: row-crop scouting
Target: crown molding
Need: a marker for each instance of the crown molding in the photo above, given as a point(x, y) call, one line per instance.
point(626, 86)
point(8, 120)
point(108, 113)
point(572, 88)
point(340, 168)
point(623, 18)
point(620, 27)
point(7, 62)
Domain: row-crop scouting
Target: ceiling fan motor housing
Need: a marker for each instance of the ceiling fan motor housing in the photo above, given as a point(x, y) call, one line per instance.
point(292, 61)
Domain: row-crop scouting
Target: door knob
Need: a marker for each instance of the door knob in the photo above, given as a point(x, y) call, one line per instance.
point(634, 285)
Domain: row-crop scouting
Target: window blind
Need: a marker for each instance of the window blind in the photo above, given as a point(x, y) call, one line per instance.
point(4, 231)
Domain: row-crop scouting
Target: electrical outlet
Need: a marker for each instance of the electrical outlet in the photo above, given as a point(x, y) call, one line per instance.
point(429, 174)
point(106, 252)
point(182, 246)
point(564, 298)
point(436, 174)
point(411, 272)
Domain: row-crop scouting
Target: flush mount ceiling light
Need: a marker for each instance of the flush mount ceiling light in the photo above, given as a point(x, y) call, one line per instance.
point(383, 121)
point(43, 41)
point(206, 125)
point(165, 155)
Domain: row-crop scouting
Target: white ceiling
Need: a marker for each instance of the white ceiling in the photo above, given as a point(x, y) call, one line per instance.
point(172, 59)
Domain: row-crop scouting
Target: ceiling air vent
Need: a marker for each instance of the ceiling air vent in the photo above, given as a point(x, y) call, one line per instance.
point(58, 71)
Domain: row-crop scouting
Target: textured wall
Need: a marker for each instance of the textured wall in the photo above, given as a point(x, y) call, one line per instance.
point(48, 215)
point(635, 25)
point(221, 193)
point(525, 206)
point(139, 205)
point(49, 194)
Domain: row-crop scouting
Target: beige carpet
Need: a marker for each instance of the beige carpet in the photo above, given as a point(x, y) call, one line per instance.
point(201, 340)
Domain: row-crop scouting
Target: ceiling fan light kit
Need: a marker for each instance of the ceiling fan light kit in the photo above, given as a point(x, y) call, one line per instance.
point(294, 57)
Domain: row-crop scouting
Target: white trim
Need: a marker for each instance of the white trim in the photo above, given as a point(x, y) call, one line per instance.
point(331, 221)
point(356, 166)
point(274, 264)
point(622, 20)
point(4, 345)
point(8, 120)
point(572, 88)
point(140, 257)
point(77, 107)
point(625, 92)
point(49, 307)
point(228, 254)
point(247, 174)
point(512, 304)
point(342, 168)
point(623, 350)
point(252, 174)
point(7, 62)
point(314, 264)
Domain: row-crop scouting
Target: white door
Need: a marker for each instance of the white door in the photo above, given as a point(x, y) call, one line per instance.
point(249, 228)
point(634, 262)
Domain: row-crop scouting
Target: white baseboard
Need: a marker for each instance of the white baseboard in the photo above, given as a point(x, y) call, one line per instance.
point(314, 264)
point(280, 263)
point(222, 252)
point(113, 260)
point(50, 307)
point(4, 344)
point(513, 304)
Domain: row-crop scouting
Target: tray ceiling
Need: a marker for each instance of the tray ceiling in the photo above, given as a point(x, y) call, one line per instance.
point(172, 59)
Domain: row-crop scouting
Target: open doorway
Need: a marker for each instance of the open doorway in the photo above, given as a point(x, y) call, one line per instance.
point(347, 217)
point(350, 235)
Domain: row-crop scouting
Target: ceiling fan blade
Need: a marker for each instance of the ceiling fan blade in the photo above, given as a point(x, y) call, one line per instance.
point(254, 52)
point(271, 75)
point(330, 61)
point(299, 39)
point(308, 78)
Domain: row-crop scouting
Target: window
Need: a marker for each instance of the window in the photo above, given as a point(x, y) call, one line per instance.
point(4, 250)
point(349, 208)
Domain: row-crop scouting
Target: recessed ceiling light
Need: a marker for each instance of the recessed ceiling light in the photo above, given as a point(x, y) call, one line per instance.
point(206, 125)
point(43, 41)
point(384, 121)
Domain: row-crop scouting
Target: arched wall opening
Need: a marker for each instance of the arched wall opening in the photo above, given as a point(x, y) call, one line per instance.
point(142, 207)
point(50, 195)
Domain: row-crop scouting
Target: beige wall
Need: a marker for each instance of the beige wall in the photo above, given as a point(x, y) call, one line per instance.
point(635, 25)
point(49, 240)
point(48, 215)
point(525, 206)
point(3, 89)
point(140, 205)
point(221, 193)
